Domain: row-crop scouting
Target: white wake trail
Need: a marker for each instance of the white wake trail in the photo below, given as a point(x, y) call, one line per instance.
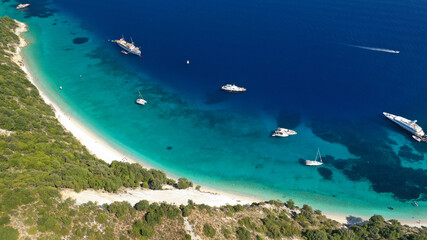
point(374, 49)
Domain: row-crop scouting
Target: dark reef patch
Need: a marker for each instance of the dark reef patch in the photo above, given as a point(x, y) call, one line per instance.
point(327, 159)
point(54, 24)
point(80, 40)
point(288, 119)
point(259, 166)
point(325, 173)
point(406, 153)
point(169, 148)
point(376, 162)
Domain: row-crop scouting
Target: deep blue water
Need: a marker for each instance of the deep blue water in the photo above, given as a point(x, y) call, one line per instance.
point(296, 60)
point(288, 54)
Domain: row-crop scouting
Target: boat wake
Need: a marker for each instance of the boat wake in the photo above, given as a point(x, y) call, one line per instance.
point(373, 49)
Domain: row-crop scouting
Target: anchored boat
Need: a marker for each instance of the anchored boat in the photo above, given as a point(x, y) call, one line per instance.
point(315, 162)
point(232, 88)
point(409, 125)
point(283, 132)
point(128, 47)
point(140, 100)
point(22, 5)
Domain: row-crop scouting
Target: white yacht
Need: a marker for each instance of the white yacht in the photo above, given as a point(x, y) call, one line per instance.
point(22, 5)
point(233, 88)
point(140, 100)
point(315, 162)
point(283, 132)
point(408, 125)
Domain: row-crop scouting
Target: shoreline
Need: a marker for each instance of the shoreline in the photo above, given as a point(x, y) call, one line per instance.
point(106, 152)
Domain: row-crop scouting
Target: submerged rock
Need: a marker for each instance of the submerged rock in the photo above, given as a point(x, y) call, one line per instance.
point(325, 173)
point(80, 40)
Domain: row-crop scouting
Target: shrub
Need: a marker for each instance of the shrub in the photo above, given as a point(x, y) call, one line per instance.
point(290, 204)
point(120, 208)
point(184, 183)
point(4, 220)
point(316, 235)
point(208, 230)
point(8, 233)
point(243, 234)
point(186, 210)
point(225, 232)
point(170, 181)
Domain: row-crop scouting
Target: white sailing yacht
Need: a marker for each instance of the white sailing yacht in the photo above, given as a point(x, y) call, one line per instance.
point(140, 100)
point(315, 162)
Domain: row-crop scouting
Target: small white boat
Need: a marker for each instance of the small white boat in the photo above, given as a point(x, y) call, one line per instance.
point(283, 132)
point(140, 100)
point(415, 204)
point(232, 88)
point(315, 162)
point(22, 5)
point(416, 138)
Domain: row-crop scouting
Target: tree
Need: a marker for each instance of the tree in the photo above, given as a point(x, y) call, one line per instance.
point(142, 205)
point(155, 184)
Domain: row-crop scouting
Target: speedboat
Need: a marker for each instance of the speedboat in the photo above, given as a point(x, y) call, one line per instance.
point(315, 162)
point(283, 132)
point(232, 88)
point(416, 138)
point(22, 5)
point(140, 100)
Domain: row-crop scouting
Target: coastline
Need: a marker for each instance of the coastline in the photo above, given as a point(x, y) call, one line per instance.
point(103, 150)
point(95, 144)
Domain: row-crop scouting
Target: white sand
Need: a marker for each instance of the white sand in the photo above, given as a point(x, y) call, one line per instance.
point(103, 150)
point(173, 196)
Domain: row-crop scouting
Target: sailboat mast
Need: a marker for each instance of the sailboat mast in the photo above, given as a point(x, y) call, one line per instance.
point(320, 156)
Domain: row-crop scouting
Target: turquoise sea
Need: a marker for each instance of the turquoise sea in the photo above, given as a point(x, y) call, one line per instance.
point(304, 69)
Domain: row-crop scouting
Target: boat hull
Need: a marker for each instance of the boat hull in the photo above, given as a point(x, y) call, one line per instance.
point(140, 101)
point(312, 163)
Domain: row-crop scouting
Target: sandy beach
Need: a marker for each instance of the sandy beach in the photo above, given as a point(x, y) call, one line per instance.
point(103, 150)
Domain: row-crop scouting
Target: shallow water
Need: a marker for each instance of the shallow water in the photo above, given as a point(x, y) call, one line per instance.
point(300, 74)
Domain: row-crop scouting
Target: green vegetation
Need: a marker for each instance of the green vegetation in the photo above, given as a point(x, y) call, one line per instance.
point(184, 183)
point(208, 230)
point(39, 157)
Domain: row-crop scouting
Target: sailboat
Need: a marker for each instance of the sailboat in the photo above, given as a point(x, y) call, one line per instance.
point(315, 162)
point(140, 100)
